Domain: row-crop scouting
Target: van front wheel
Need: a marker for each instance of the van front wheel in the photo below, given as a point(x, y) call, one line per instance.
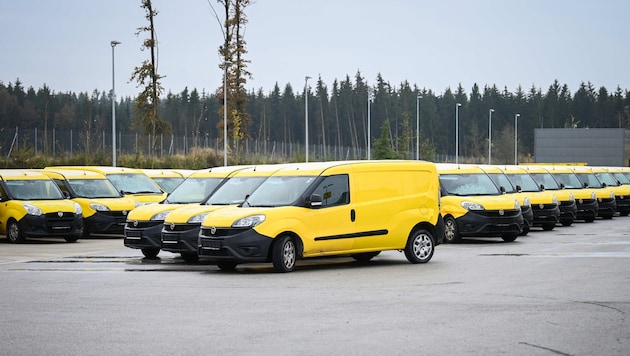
point(14, 234)
point(451, 233)
point(284, 254)
point(420, 246)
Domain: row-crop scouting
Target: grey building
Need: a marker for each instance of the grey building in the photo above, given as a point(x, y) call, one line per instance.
point(596, 147)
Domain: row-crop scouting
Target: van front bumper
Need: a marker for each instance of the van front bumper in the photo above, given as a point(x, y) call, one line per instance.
point(587, 209)
point(180, 238)
point(490, 223)
point(51, 225)
point(106, 223)
point(143, 234)
point(238, 245)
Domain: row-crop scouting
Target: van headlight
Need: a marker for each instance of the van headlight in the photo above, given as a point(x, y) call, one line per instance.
point(161, 216)
point(593, 196)
point(32, 209)
point(554, 200)
point(517, 205)
point(571, 197)
point(526, 201)
point(612, 195)
point(77, 209)
point(197, 219)
point(468, 205)
point(249, 221)
point(99, 207)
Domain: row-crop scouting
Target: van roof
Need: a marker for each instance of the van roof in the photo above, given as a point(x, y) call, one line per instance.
point(318, 168)
point(20, 174)
point(100, 169)
point(74, 173)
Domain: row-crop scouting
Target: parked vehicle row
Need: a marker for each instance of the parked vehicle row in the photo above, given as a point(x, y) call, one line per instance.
point(525, 196)
point(279, 213)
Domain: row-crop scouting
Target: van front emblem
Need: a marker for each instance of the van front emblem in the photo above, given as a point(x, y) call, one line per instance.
point(501, 212)
point(60, 214)
point(135, 223)
point(213, 230)
point(172, 226)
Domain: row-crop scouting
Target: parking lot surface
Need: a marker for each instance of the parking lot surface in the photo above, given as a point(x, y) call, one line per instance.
point(559, 292)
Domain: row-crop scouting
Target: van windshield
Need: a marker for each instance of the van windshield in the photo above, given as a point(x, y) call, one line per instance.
point(525, 181)
point(134, 183)
point(34, 190)
point(569, 180)
point(546, 179)
point(235, 190)
point(590, 179)
point(468, 184)
point(93, 188)
point(193, 190)
point(280, 191)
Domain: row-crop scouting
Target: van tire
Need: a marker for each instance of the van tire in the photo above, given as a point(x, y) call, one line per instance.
point(548, 226)
point(226, 265)
point(451, 232)
point(190, 257)
point(14, 234)
point(420, 246)
point(150, 252)
point(284, 254)
point(71, 238)
point(365, 256)
point(509, 237)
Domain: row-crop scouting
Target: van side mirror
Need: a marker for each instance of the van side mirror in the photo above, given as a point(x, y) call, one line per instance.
point(542, 187)
point(315, 201)
point(585, 185)
point(519, 188)
point(604, 185)
point(65, 194)
point(562, 186)
point(502, 189)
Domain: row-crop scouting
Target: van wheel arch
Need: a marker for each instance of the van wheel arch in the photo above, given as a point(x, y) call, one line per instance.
point(420, 246)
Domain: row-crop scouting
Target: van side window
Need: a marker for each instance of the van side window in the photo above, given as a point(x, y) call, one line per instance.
point(3, 194)
point(334, 190)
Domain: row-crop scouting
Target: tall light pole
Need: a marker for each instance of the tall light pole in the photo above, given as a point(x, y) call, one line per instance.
point(369, 128)
point(490, 135)
point(225, 109)
point(516, 138)
point(457, 132)
point(418, 126)
point(306, 114)
point(113, 43)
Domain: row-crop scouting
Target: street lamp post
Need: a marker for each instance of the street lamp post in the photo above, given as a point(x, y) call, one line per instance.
point(490, 135)
point(418, 126)
point(457, 132)
point(369, 128)
point(516, 138)
point(306, 114)
point(113, 43)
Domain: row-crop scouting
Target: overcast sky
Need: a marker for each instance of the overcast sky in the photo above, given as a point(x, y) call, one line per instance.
point(436, 44)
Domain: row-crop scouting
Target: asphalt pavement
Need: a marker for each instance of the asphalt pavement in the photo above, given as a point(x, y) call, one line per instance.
point(559, 292)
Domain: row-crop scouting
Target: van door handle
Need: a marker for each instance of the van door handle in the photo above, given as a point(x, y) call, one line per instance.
point(353, 215)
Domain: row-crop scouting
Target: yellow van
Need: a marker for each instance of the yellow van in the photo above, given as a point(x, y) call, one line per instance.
point(180, 230)
point(607, 205)
point(104, 209)
point(31, 205)
point(167, 179)
point(130, 182)
point(473, 206)
point(143, 229)
point(544, 204)
point(565, 197)
point(505, 185)
point(317, 209)
point(622, 191)
point(585, 198)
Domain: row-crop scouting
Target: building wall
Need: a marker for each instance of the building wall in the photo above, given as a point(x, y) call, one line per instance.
point(596, 147)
